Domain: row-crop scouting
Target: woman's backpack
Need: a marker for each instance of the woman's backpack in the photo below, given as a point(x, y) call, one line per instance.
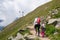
point(38, 20)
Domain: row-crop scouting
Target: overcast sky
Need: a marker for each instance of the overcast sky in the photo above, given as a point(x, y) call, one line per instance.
point(12, 9)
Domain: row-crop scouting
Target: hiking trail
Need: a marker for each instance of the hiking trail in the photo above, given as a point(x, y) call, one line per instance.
point(33, 33)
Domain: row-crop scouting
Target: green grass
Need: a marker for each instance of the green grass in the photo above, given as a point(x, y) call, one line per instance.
point(50, 29)
point(56, 36)
point(21, 23)
point(57, 15)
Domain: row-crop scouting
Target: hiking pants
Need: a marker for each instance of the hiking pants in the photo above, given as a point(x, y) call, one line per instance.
point(37, 28)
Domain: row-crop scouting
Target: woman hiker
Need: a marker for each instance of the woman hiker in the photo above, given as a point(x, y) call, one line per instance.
point(37, 25)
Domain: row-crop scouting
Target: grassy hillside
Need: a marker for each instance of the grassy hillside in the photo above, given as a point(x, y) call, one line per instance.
point(21, 23)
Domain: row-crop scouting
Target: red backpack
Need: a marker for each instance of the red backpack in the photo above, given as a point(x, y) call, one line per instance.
point(38, 20)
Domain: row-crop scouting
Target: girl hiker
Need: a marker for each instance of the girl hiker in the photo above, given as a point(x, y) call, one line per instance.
point(37, 25)
point(43, 29)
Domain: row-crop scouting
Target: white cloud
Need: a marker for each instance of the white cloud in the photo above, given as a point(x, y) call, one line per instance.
point(29, 5)
point(10, 9)
point(2, 17)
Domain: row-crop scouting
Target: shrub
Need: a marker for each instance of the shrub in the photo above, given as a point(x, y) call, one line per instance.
point(56, 36)
point(50, 29)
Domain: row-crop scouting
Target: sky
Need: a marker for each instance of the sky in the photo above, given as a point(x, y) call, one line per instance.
point(10, 10)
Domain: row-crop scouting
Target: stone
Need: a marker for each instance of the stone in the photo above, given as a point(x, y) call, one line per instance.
point(58, 8)
point(58, 19)
point(57, 26)
point(50, 11)
point(55, 33)
point(11, 37)
point(54, 11)
point(51, 21)
point(26, 35)
point(48, 18)
point(19, 36)
point(30, 37)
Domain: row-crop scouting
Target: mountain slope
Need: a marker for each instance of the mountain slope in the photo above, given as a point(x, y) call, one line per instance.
point(22, 22)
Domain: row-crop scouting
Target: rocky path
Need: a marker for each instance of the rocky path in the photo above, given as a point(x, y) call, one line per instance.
point(33, 32)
